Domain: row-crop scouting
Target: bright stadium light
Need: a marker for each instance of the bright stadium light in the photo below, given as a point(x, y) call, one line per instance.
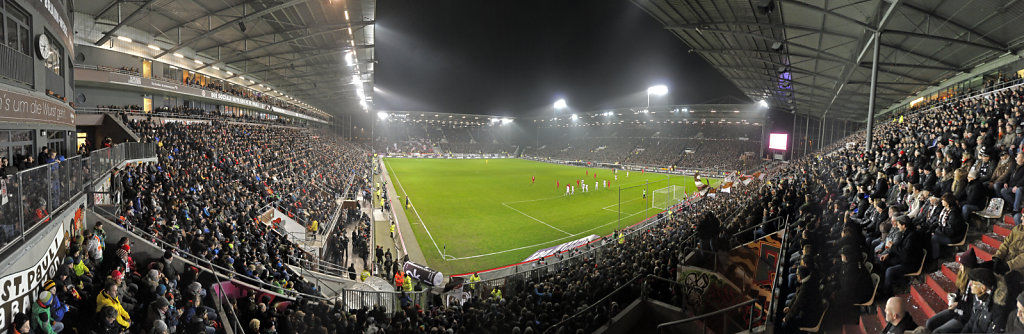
point(575, 117)
point(762, 103)
point(124, 38)
point(658, 90)
point(561, 104)
point(506, 121)
point(382, 115)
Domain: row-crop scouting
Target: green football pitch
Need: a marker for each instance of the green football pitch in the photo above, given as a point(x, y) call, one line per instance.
point(478, 214)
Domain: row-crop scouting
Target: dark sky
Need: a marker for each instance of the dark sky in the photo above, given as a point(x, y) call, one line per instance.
point(509, 57)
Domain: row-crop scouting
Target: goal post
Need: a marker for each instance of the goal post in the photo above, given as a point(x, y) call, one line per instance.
point(663, 198)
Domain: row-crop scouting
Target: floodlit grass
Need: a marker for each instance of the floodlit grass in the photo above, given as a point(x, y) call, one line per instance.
point(487, 213)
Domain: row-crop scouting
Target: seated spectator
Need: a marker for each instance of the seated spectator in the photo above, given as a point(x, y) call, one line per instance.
point(897, 319)
point(20, 324)
point(949, 228)
point(804, 309)
point(42, 319)
point(977, 315)
point(109, 297)
point(905, 255)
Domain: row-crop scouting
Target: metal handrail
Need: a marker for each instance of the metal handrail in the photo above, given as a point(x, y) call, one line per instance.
point(594, 304)
point(750, 320)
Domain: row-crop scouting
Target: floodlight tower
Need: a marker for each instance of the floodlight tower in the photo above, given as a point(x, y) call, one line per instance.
point(658, 90)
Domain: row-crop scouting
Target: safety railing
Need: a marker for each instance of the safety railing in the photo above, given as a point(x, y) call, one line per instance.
point(728, 314)
point(29, 197)
point(269, 100)
point(16, 65)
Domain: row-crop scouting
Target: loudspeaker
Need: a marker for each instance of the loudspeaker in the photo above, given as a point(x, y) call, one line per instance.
point(241, 26)
point(777, 46)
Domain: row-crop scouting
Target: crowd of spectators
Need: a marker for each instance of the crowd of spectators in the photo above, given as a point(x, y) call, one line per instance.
point(894, 208)
point(704, 146)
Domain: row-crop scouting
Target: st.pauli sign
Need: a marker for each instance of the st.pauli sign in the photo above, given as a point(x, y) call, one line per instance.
point(24, 108)
point(18, 290)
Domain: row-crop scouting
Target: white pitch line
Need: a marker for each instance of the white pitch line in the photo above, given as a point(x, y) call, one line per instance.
point(538, 220)
point(543, 243)
point(392, 172)
point(635, 199)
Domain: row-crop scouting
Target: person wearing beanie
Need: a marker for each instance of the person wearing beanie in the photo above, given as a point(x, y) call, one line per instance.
point(159, 327)
point(58, 307)
point(20, 324)
point(1015, 323)
point(157, 311)
point(41, 318)
point(973, 314)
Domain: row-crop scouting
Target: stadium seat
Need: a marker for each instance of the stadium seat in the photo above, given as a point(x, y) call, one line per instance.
point(961, 243)
point(866, 306)
point(821, 319)
point(921, 268)
point(994, 210)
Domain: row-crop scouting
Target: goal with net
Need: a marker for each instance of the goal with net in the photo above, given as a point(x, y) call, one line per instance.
point(668, 196)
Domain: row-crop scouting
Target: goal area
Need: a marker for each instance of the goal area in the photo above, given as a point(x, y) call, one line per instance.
point(665, 197)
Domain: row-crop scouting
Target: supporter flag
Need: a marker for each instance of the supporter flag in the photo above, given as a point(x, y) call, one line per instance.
point(746, 179)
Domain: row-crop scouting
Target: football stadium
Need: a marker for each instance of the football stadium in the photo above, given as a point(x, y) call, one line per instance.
point(560, 166)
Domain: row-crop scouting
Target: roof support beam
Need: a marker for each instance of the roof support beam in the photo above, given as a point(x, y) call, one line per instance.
point(131, 17)
point(916, 66)
point(869, 38)
point(230, 24)
point(949, 21)
point(240, 55)
point(799, 3)
point(289, 31)
point(944, 39)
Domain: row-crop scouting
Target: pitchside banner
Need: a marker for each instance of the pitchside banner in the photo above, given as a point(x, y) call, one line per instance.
point(563, 247)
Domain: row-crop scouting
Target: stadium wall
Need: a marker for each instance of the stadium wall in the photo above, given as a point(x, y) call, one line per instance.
point(26, 268)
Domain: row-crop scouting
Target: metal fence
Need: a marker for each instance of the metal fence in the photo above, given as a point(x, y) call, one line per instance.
point(28, 198)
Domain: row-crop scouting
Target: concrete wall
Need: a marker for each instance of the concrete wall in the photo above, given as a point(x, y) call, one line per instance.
point(104, 97)
point(103, 57)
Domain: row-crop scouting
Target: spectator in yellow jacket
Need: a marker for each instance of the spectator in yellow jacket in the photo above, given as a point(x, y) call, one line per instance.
point(108, 297)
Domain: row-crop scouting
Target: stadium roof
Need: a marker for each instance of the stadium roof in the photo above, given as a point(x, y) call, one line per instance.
point(813, 57)
point(297, 47)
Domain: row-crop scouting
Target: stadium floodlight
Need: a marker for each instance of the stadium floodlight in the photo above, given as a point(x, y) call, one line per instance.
point(762, 103)
point(561, 104)
point(495, 120)
point(506, 120)
point(382, 115)
point(124, 38)
point(154, 47)
point(575, 117)
point(658, 90)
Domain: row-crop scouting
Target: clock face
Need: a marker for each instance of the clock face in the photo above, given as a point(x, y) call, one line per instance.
point(44, 46)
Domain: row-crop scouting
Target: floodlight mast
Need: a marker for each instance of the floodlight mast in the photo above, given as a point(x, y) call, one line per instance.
point(657, 90)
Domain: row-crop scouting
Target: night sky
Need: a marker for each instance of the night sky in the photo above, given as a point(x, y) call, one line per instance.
point(517, 57)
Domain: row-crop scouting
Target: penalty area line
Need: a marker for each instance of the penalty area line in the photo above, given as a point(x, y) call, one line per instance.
point(538, 220)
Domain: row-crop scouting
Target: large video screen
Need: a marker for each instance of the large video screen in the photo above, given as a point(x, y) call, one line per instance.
point(778, 141)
